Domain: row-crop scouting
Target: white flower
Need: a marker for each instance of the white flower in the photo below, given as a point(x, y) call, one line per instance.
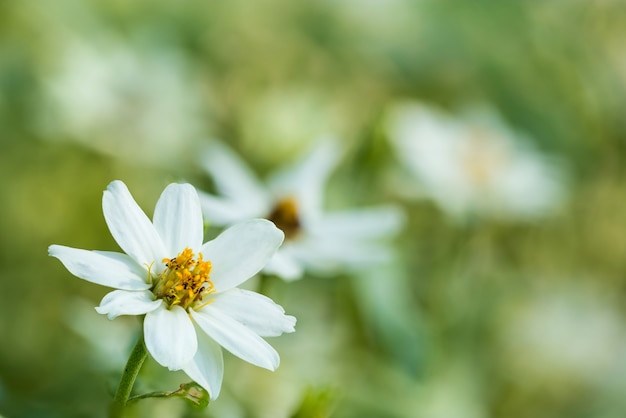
point(292, 199)
point(122, 99)
point(547, 325)
point(473, 166)
point(186, 289)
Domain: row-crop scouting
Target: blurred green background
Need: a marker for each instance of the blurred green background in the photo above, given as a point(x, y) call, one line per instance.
point(480, 319)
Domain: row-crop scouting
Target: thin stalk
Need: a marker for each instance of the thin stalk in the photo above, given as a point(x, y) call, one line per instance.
point(133, 365)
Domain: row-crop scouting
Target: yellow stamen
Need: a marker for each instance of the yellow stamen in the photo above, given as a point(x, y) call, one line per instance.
point(185, 280)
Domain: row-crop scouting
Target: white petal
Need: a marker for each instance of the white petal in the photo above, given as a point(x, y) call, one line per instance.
point(207, 366)
point(102, 267)
point(328, 256)
point(221, 211)
point(233, 178)
point(381, 221)
point(123, 302)
point(130, 226)
point(178, 219)
point(236, 338)
point(306, 179)
point(365, 255)
point(241, 251)
point(170, 337)
point(284, 265)
point(255, 311)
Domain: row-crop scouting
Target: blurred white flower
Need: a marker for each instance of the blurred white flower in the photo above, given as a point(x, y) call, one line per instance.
point(569, 333)
point(124, 100)
point(474, 166)
point(186, 289)
point(292, 198)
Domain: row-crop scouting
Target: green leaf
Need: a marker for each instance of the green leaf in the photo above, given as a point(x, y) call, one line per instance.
point(195, 394)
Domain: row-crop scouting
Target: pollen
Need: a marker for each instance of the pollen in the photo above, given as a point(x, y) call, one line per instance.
point(285, 217)
point(185, 280)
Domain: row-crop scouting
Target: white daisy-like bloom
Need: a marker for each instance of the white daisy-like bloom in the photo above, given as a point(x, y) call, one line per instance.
point(476, 165)
point(546, 326)
point(318, 241)
point(122, 99)
point(186, 289)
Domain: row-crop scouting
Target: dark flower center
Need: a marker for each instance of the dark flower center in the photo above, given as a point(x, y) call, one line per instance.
point(285, 217)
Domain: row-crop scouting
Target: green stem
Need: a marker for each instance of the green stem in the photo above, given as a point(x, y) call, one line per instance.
point(135, 361)
point(160, 394)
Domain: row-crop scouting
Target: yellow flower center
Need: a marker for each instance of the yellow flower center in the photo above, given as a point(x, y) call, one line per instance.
point(285, 217)
point(185, 280)
point(483, 160)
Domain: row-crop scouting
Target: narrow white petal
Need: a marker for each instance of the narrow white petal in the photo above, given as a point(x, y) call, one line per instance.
point(257, 312)
point(130, 226)
point(326, 256)
point(207, 366)
point(236, 338)
point(123, 302)
point(178, 218)
point(284, 265)
point(170, 337)
point(241, 251)
point(375, 222)
point(316, 257)
point(223, 211)
point(233, 178)
point(306, 178)
point(102, 267)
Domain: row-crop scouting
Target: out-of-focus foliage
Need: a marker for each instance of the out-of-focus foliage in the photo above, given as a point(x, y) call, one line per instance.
point(479, 317)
